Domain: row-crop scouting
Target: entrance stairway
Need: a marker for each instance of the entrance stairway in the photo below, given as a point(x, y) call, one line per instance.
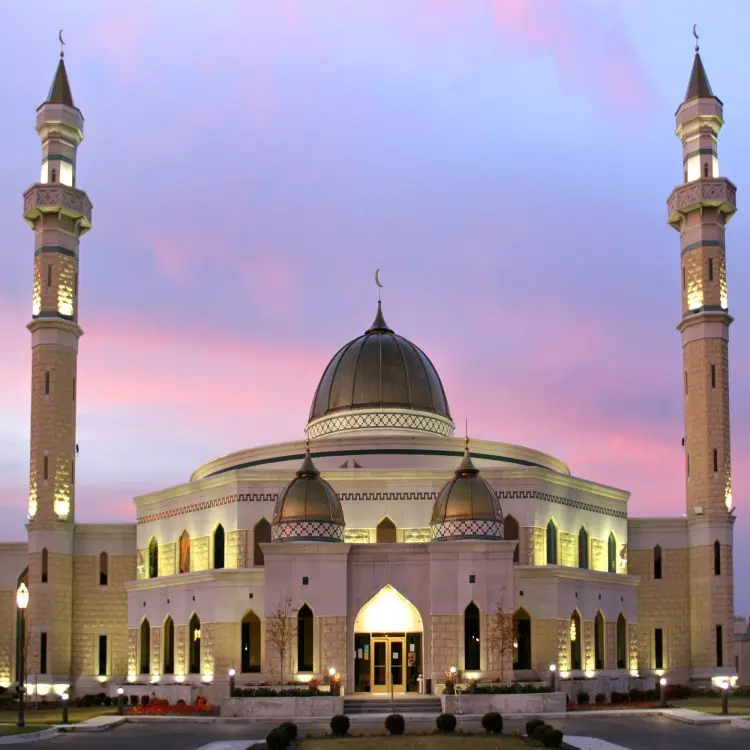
point(401, 704)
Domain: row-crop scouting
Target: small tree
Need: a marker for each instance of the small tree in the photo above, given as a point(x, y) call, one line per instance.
point(279, 633)
point(501, 634)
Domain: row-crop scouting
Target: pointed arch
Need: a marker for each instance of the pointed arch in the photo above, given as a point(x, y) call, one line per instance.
point(184, 552)
point(45, 565)
point(168, 645)
point(510, 532)
point(717, 558)
point(599, 650)
point(103, 568)
point(576, 636)
point(261, 535)
point(194, 644)
point(385, 531)
point(521, 639)
point(622, 641)
point(144, 652)
point(472, 651)
point(551, 543)
point(583, 548)
point(657, 562)
point(388, 611)
point(153, 558)
point(219, 546)
point(250, 643)
point(305, 656)
point(612, 553)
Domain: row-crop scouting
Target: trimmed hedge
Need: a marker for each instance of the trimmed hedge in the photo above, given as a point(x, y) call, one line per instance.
point(340, 725)
point(492, 723)
point(282, 736)
point(395, 724)
point(446, 723)
point(533, 724)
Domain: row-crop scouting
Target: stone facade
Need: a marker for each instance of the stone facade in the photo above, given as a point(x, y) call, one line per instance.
point(333, 642)
point(447, 631)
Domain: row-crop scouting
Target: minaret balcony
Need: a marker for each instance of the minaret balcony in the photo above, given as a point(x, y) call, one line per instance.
point(717, 193)
point(57, 199)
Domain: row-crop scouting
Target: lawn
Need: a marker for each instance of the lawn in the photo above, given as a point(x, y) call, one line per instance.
point(737, 706)
point(54, 715)
point(6, 729)
point(428, 742)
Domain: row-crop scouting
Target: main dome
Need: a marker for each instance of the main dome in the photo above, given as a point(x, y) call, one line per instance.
point(380, 380)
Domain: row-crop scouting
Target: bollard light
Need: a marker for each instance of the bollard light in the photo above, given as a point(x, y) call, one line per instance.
point(725, 698)
point(553, 677)
point(231, 682)
point(64, 698)
point(120, 700)
point(453, 670)
point(663, 692)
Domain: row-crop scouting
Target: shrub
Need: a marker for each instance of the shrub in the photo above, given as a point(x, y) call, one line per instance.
point(180, 702)
point(107, 700)
point(582, 698)
point(540, 731)
point(652, 695)
point(617, 698)
point(100, 698)
point(276, 740)
point(492, 723)
point(532, 725)
point(551, 737)
point(636, 695)
point(133, 700)
point(289, 729)
point(340, 725)
point(600, 699)
point(446, 723)
point(678, 692)
point(516, 688)
point(395, 723)
point(144, 700)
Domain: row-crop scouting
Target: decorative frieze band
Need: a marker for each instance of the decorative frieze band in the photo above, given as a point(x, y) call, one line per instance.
point(377, 420)
point(466, 530)
point(577, 504)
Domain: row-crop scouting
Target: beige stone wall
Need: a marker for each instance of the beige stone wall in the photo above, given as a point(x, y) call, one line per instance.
point(220, 647)
point(100, 610)
point(544, 647)
point(237, 545)
point(533, 545)
point(568, 549)
point(199, 553)
point(333, 641)
point(598, 554)
point(168, 559)
point(7, 635)
point(447, 632)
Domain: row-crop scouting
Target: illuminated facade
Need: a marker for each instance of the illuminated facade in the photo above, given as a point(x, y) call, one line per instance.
point(391, 548)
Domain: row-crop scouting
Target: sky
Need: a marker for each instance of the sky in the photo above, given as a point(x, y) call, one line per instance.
point(505, 163)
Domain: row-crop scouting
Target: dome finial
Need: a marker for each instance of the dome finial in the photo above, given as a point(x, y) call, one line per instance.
point(377, 281)
point(466, 467)
point(62, 43)
point(695, 34)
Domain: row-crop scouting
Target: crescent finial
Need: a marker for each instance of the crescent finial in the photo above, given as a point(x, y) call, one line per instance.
point(62, 43)
point(377, 281)
point(695, 34)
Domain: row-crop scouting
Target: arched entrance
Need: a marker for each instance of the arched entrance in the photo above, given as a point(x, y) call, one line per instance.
point(387, 644)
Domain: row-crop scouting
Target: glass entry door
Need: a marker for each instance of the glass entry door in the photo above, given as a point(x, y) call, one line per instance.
point(388, 668)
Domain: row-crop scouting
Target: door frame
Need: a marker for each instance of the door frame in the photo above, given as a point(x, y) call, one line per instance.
point(389, 641)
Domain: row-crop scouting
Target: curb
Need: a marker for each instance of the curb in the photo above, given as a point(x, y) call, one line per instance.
point(14, 739)
point(53, 731)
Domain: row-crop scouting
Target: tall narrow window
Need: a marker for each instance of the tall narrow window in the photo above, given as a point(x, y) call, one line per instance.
point(45, 565)
point(522, 643)
point(583, 548)
point(716, 460)
point(719, 646)
point(153, 558)
point(471, 638)
point(717, 558)
point(194, 647)
point(42, 653)
point(612, 553)
point(145, 649)
point(46, 382)
point(710, 269)
point(713, 376)
point(261, 535)
point(622, 641)
point(657, 562)
point(54, 175)
point(219, 547)
point(386, 531)
point(658, 648)
point(551, 543)
point(684, 280)
point(102, 655)
point(49, 275)
point(103, 568)
point(169, 645)
point(73, 471)
point(46, 467)
point(305, 639)
point(686, 383)
point(510, 533)
point(250, 643)
point(687, 459)
point(599, 641)
point(575, 641)
point(184, 552)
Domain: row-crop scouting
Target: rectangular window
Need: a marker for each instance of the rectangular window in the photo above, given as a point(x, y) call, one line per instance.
point(73, 471)
point(686, 385)
point(688, 465)
point(713, 376)
point(46, 383)
point(710, 269)
point(46, 467)
point(102, 655)
point(684, 281)
point(716, 460)
point(74, 389)
point(719, 646)
point(43, 653)
point(658, 648)
point(49, 275)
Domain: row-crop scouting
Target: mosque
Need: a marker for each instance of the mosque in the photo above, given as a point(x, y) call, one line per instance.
point(378, 545)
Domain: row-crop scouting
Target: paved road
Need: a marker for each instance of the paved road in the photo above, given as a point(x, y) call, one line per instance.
point(648, 733)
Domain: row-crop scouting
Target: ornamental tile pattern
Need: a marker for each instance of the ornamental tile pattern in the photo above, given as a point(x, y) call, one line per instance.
point(374, 420)
point(309, 531)
point(478, 529)
point(577, 504)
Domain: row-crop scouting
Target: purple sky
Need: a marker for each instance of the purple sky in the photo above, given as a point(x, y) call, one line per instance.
point(506, 164)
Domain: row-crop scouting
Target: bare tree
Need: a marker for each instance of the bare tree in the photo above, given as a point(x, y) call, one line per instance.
point(279, 630)
point(501, 633)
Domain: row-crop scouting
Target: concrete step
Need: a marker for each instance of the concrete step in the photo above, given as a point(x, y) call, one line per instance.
point(398, 705)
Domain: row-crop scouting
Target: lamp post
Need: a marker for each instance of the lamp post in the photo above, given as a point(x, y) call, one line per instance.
point(553, 677)
point(663, 692)
point(725, 698)
point(231, 682)
point(332, 679)
point(120, 708)
point(64, 697)
point(22, 601)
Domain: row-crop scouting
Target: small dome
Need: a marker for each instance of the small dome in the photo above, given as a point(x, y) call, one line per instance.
point(380, 374)
point(467, 507)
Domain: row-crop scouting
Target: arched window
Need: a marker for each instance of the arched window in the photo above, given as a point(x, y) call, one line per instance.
point(168, 645)
point(386, 531)
point(657, 562)
point(705, 169)
point(184, 552)
point(305, 639)
point(103, 568)
point(471, 638)
point(219, 547)
point(612, 553)
point(583, 548)
point(194, 647)
point(717, 558)
point(153, 558)
point(522, 640)
point(45, 565)
point(575, 641)
point(250, 657)
point(510, 532)
point(622, 641)
point(53, 177)
point(551, 543)
point(599, 641)
point(145, 649)
point(261, 535)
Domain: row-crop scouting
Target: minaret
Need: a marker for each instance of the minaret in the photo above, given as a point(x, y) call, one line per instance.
point(59, 214)
point(699, 209)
